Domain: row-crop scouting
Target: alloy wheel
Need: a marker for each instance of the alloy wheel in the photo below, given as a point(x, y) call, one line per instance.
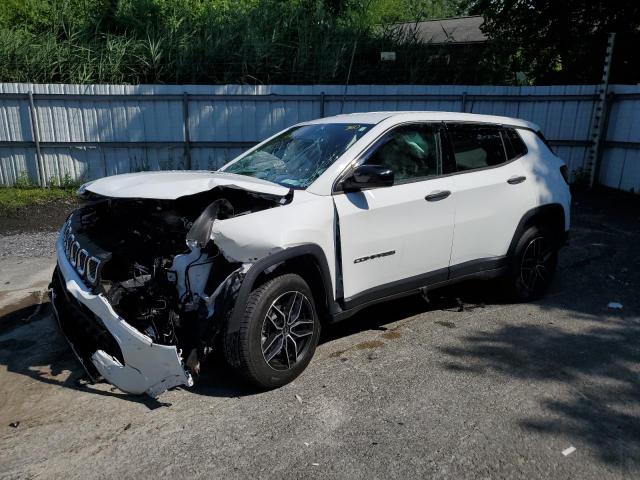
point(536, 267)
point(287, 330)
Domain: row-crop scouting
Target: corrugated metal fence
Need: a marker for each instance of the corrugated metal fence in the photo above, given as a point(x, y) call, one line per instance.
point(82, 132)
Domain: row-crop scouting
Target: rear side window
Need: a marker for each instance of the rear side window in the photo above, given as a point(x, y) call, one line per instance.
point(476, 146)
point(513, 143)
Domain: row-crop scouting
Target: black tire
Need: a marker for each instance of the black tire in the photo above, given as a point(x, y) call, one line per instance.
point(244, 350)
point(532, 265)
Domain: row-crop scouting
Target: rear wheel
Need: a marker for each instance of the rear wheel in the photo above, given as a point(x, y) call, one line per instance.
point(533, 264)
point(278, 334)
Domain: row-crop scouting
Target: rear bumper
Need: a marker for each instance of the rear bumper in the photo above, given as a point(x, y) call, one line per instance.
point(106, 344)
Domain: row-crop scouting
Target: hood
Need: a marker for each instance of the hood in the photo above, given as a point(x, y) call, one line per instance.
point(175, 184)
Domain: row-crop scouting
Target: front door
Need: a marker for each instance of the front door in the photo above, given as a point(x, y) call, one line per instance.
point(397, 238)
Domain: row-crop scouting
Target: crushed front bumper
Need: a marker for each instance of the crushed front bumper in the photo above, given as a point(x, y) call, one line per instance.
point(106, 344)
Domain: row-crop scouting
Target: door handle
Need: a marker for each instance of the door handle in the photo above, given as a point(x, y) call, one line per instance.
point(516, 180)
point(437, 195)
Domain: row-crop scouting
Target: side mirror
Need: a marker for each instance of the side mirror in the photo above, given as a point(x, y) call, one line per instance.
point(368, 176)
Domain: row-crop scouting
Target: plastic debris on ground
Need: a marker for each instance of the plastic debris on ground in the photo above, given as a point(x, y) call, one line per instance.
point(299, 398)
point(615, 305)
point(568, 451)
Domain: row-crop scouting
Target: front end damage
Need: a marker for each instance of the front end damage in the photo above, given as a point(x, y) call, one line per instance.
point(141, 291)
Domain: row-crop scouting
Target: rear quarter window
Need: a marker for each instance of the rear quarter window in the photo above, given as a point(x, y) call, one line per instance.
point(513, 143)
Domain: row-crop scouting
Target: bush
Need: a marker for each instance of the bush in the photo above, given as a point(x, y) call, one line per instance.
point(23, 181)
point(218, 41)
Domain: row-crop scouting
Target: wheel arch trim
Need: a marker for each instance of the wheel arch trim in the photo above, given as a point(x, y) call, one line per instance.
point(258, 268)
point(551, 211)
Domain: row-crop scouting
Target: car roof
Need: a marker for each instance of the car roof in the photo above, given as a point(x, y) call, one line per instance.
point(399, 117)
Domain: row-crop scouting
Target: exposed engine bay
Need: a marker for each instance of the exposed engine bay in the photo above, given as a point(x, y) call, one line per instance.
point(157, 267)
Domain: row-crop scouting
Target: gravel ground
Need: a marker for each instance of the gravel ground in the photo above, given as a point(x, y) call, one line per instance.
point(35, 244)
point(403, 390)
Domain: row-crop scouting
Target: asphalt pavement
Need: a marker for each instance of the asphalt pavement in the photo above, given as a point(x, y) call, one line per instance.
point(473, 389)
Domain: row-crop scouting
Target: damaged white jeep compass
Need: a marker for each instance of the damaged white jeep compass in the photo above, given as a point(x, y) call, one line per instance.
point(158, 269)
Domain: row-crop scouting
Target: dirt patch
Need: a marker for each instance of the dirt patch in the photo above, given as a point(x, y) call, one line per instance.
point(369, 345)
point(41, 217)
point(392, 335)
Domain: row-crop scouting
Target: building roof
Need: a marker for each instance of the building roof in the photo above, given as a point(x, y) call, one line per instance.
point(458, 30)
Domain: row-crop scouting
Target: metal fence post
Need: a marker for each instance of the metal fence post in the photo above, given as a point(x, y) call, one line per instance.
point(600, 108)
point(463, 107)
point(35, 133)
point(603, 136)
point(321, 104)
point(187, 138)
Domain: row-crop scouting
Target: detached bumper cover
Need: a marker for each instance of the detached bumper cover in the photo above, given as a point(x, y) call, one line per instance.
point(106, 344)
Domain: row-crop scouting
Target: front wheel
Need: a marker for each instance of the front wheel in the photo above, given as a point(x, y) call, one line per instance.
point(533, 264)
point(278, 334)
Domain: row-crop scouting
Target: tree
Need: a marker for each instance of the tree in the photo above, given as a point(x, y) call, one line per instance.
point(562, 41)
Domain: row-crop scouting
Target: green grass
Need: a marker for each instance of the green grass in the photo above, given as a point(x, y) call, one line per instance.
point(13, 199)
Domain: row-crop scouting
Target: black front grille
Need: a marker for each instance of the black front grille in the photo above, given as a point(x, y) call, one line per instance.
point(84, 330)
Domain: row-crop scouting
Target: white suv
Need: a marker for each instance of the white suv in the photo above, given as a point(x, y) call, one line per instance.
point(157, 269)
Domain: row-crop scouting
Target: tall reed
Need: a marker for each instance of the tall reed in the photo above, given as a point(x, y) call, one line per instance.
point(220, 41)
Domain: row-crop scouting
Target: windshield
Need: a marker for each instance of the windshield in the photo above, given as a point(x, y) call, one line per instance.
point(300, 155)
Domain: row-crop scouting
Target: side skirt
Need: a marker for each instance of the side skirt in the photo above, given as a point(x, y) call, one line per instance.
point(482, 269)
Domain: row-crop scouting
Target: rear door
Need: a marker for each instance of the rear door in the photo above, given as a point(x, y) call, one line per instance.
point(494, 189)
point(393, 238)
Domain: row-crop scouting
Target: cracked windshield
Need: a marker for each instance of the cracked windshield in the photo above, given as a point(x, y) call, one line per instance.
point(299, 156)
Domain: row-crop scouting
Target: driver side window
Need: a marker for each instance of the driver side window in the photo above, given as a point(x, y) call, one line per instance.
point(411, 151)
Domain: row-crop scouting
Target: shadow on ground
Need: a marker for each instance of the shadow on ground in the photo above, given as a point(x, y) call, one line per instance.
point(599, 364)
point(31, 345)
point(598, 360)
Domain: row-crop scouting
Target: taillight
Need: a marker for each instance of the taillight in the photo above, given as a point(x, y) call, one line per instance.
point(565, 173)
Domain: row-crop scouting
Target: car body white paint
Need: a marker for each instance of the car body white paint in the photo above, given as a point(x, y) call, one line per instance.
point(175, 184)
point(384, 220)
point(547, 185)
point(478, 196)
point(477, 221)
point(308, 219)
